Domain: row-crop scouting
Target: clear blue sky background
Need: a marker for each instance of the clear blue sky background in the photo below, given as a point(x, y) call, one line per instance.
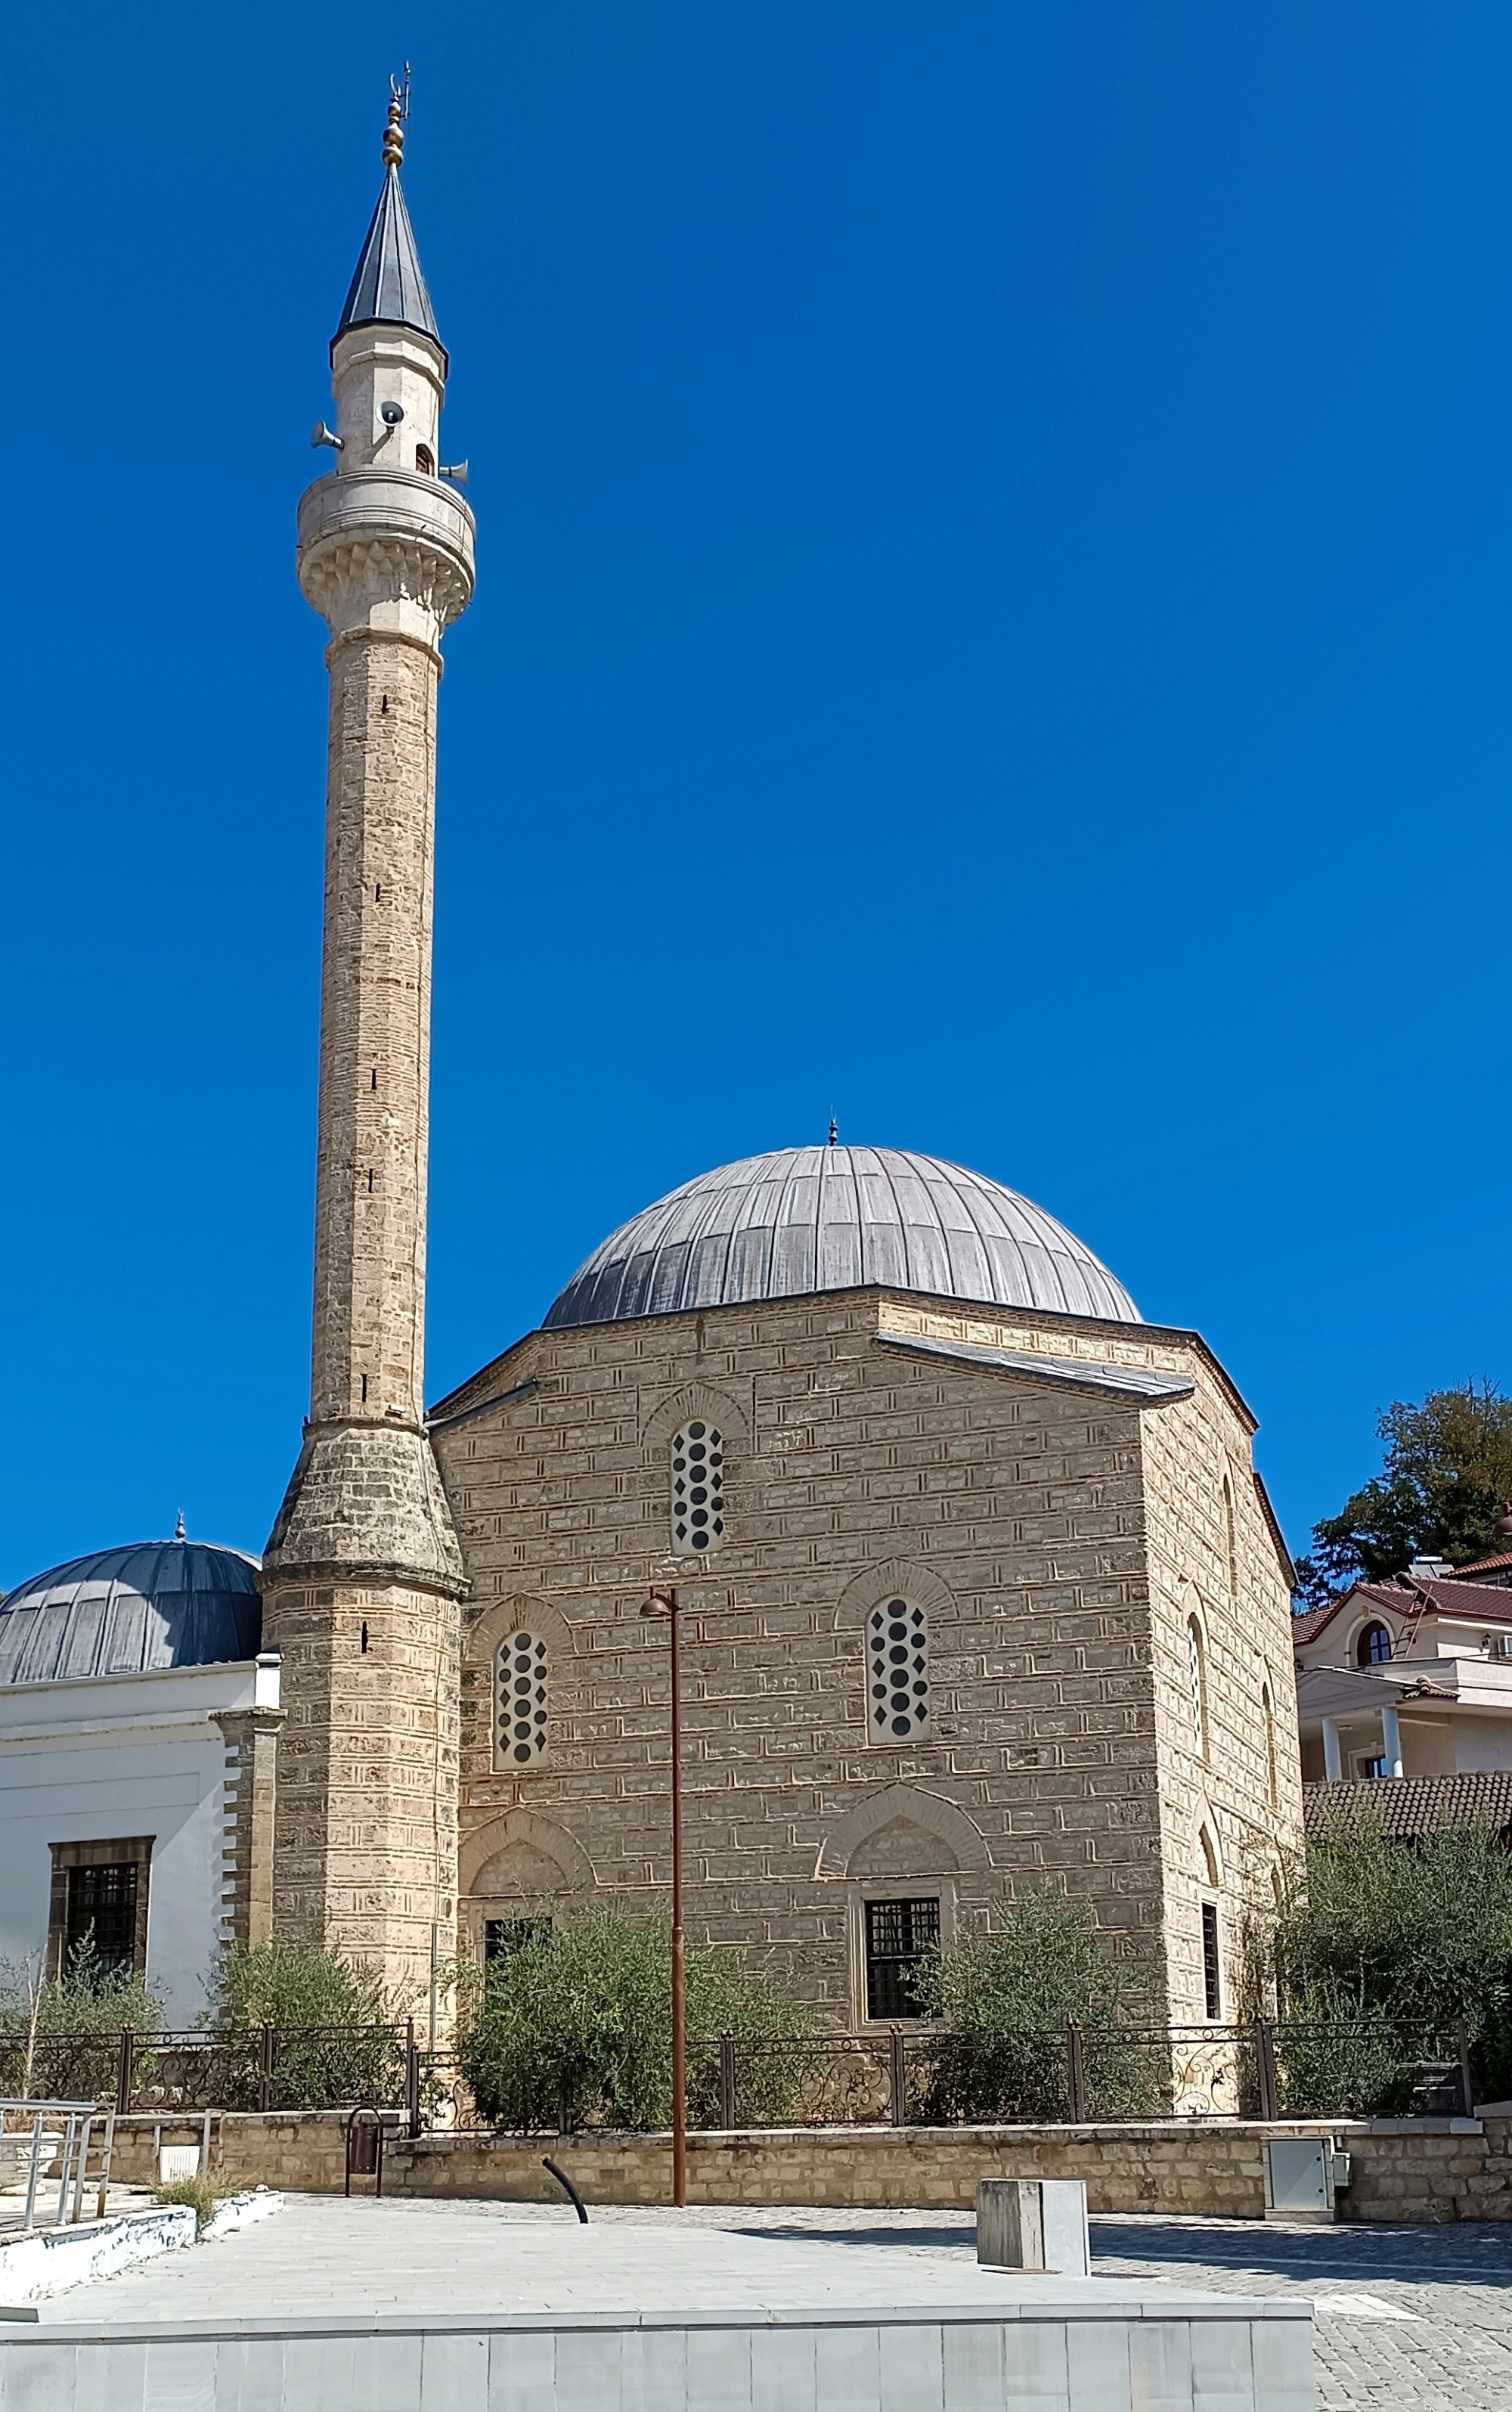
point(993, 616)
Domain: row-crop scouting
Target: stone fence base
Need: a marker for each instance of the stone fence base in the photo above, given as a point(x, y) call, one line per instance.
point(1406, 2169)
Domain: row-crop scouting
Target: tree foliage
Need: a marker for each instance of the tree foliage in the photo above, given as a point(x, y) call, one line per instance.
point(575, 2027)
point(1446, 1481)
point(1004, 2000)
point(60, 2036)
point(339, 2039)
point(1418, 1934)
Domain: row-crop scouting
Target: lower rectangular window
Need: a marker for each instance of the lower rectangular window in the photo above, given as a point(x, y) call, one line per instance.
point(99, 1904)
point(899, 1935)
point(1213, 1991)
point(503, 1936)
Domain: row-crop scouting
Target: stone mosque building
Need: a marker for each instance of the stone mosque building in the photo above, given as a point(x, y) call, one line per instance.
point(979, 1588)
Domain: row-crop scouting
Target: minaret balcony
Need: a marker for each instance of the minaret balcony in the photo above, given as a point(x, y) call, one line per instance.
point(361, 531)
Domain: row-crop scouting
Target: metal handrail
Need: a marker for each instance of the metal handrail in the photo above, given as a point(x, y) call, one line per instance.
point(81, 2117)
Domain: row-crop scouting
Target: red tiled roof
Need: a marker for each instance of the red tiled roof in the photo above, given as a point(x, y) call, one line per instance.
point(1306, 1628)
point(1486, 1566)
point(1476, 1603)
point(1409, 1806)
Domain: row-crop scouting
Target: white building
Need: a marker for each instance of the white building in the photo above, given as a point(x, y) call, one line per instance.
point(1409, 1678)
point(134, 1712)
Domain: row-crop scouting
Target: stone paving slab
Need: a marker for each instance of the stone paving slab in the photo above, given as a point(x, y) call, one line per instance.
point(323, 2256)
point(1451, 2353)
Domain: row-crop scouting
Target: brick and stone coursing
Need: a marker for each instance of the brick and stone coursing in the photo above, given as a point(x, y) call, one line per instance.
point(1059, 1540)
point(363, 1576)
point(1422, 2169)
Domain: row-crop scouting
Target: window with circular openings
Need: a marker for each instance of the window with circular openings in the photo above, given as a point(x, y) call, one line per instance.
point(697, 1490)
point(898, 1657)
point(520, 1700)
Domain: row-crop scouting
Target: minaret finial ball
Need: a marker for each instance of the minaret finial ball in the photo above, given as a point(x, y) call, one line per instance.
point(393, 133)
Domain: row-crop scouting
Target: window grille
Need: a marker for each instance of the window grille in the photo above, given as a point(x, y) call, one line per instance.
point(697, 1490)
point(102, 1910)
point(1198, 1677)
point(1267, 1708)
point(898, 1661)
point(899, 1935)
point(519, 1715)
point(1212, 1991)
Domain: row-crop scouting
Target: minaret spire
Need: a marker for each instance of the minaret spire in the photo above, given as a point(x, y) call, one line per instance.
point(362, 1575)
point(388, 289)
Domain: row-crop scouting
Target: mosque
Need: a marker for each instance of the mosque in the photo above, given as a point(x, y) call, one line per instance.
point(979, 1588)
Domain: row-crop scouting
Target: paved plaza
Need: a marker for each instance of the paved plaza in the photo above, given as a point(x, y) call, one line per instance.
point(1419, 2318)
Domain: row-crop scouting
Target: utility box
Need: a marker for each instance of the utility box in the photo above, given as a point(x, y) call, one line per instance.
point(1033, 2224)
point(1302, 2178)
point(175, 2161)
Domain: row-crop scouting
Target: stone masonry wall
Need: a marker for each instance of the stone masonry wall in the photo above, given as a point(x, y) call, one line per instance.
point(1405, 2170)
point(1013, 1511)
point(374, 1033)
point(366, 1806)
point(1244, 1788)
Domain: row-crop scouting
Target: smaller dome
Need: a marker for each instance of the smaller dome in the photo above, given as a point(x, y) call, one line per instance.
point(136, 1610)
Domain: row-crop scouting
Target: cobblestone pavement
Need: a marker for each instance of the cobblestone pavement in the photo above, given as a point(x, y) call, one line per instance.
point(1452, 2352)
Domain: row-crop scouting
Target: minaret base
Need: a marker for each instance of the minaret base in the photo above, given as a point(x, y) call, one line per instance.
point(362, 1583)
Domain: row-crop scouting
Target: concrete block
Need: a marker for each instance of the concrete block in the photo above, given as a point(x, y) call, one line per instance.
point(1009, 2230)
point(1033, 2224)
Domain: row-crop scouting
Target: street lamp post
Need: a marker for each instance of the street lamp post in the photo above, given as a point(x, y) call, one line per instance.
point(665, 1603)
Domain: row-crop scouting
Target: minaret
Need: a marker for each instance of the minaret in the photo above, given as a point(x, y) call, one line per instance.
point(363, 1576)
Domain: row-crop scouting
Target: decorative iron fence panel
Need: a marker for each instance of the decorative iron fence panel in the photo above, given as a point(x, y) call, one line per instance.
point(913, 2076)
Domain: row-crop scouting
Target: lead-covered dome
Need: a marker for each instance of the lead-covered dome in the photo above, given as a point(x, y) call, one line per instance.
point(137, 1611)
point(819, 1218)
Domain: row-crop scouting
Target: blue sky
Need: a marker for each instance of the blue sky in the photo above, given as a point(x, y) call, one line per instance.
point(992, 615)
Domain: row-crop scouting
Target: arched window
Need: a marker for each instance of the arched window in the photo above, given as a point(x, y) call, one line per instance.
point(1374, 1648)
point(1197, 1671)
point(1269, 1711)
point(425, 460)
point(898, 1663)
point(520, 1700)
point(1232, 1537)
point(697, 1490)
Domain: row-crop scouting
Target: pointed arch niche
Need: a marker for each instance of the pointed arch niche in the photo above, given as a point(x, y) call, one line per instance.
point(517, 1868)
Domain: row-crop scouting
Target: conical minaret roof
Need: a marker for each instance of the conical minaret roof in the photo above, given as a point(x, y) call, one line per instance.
point(388, 289)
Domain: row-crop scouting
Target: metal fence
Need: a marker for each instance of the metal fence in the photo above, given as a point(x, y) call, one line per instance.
point(1033, 2077)
point(915, 2076)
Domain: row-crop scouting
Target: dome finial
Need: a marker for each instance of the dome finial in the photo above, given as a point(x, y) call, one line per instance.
point(177, 1529)
point(393, 133)
point(834, 1129)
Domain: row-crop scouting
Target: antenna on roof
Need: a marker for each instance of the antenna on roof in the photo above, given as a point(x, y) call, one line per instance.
point(834, 1129)
point(177, 1529)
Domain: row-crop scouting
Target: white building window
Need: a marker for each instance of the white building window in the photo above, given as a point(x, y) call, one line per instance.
point(520, 1700)
point(1197, 1680)
point(697, 1490)
point(898, 1662)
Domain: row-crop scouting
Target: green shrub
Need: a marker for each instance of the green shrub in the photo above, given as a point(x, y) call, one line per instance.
point(575, 2027)
point(357, 2055)
point(200, 2190)
point(1004, 2000)
point(60, 2036)
point(1415, 1934)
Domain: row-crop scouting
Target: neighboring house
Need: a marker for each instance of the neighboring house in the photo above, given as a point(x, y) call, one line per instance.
point(1412, 1677)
